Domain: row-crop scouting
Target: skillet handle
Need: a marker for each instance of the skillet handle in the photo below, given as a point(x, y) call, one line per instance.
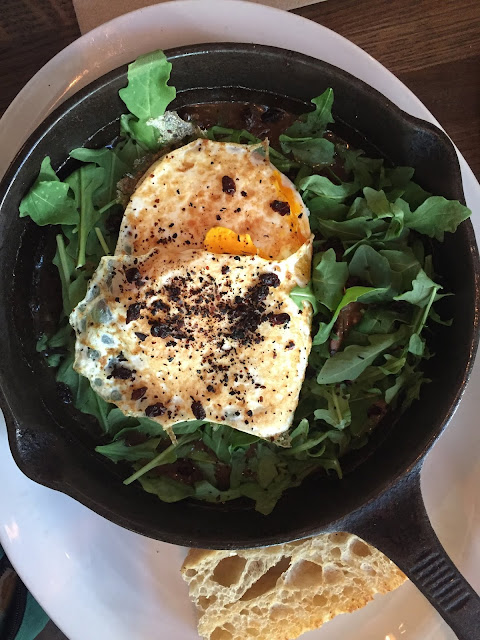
point(398, 525)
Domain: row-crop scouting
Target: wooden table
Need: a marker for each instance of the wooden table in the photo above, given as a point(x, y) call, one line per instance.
point(433, 46)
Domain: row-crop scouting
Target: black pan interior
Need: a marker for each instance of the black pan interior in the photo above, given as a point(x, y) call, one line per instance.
point(53, 444)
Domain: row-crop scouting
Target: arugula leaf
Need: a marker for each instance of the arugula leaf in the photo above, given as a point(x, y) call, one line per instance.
point(377, 202)
point(267, 466)
point(325, 209)
point(205, 490)
point(131, 154)
point(414, 381)
point(304, 139)
point(370, 267)
point(90, 402)
point(143, 427)
point(310, 151)
point(421, 292)
point(392, 364)
point(396, 180)
point(84, 183)
point(416, 345)
point(392, 392)
point(379, 320)
point(118, 422)
point(437, 215)
point(119, 450)
point(322, 186)
point(146, 96)
point(304, 294)
point(224, 134)
point(414, 195)
point(338, 413)
point(66, 266)
point(353, 360)
point(42, 343)
point(48, 201)
point(144, 135)
point(84, 397)
point(167, 456)
point(78, 289)
point(113, 166)
point(366, 171)
point(404, 266)
point(61, 338)
point(329, 278)
point(166, 489)
point(189, 426)
point(223, 440)
point(396, 228)
point(349, 230)
point(351, 295)
point(314, 123)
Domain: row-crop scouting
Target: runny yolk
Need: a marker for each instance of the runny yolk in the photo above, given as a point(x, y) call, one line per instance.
point(223, 240)
point(287, 194)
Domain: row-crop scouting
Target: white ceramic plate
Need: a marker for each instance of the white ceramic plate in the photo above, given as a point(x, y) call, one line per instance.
point(100, 582)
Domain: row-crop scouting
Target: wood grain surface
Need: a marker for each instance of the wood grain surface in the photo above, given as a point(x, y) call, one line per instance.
point(433, 46)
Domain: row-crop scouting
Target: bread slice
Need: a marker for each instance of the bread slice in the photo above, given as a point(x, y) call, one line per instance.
point(278, 593)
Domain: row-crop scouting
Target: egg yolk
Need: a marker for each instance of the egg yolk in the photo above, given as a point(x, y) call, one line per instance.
point(222, 240)
point(287, 194)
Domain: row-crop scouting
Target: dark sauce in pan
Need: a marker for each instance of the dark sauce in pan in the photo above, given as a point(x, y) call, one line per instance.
point(262, 121)
point(259, 120)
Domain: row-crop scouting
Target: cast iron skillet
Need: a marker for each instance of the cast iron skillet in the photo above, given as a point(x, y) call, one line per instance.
point(379, 499)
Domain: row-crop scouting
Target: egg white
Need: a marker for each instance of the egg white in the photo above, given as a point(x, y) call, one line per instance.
point(182, 196)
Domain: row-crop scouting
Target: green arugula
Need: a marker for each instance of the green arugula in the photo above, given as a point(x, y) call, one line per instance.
point(118, 450)
point(422, 289)
point(113, 165)
point(301, 294)
point(368, 249)
point(312, 151)
point(314, 123)
point(241, 136)
point(146, 96)
point(351, 295)
point(329, 278)
point(323, 186)
point(304, 139)
point(436, 215)
point(84, 183)
point(338, 413)
point(353, 360)
point(49, 200)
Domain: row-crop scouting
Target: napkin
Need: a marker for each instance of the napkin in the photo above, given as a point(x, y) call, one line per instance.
point(21, 617)
point(91, 13)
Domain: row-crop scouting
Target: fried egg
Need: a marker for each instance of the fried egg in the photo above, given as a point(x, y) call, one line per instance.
point(192, 318)
point(209, 184)
point(197, 335)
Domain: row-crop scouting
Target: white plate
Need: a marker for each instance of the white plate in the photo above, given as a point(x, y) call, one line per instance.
point(99, 582)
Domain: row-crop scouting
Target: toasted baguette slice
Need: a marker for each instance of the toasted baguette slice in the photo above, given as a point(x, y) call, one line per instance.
point(278, 593)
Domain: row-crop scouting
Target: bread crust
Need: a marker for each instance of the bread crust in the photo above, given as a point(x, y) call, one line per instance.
point(280, 592)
